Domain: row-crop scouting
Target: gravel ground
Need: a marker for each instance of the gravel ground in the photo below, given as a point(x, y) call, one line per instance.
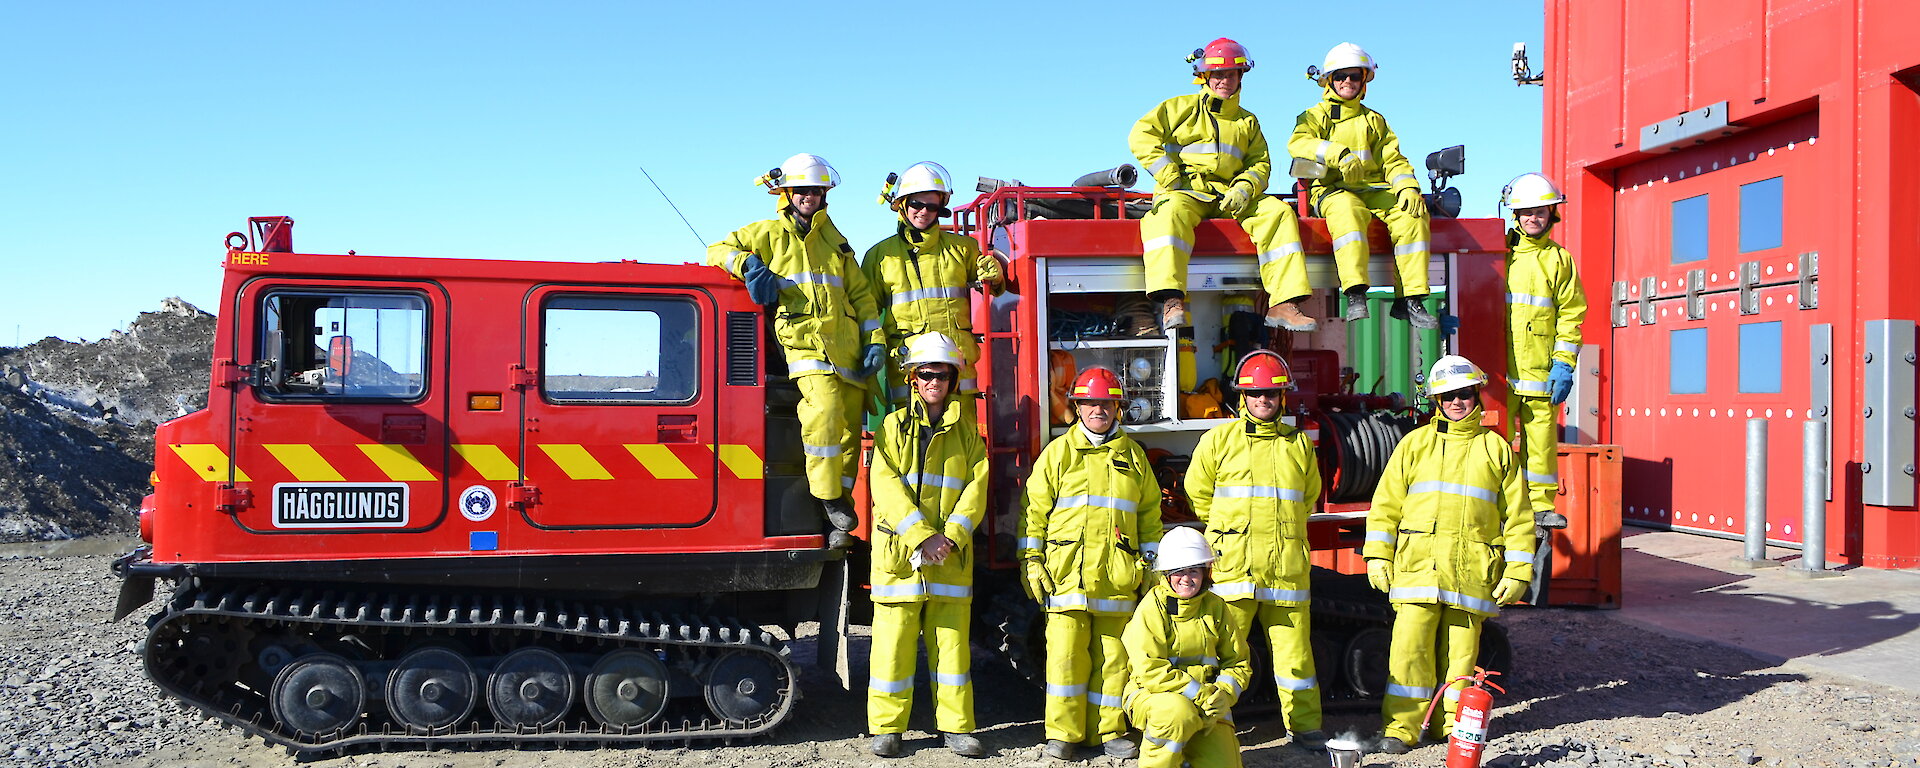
point(1590, 692)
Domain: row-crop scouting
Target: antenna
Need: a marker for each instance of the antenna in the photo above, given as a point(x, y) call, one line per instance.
point(676, 209)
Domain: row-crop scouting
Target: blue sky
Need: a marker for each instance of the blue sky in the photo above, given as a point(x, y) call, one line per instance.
point(136, 135)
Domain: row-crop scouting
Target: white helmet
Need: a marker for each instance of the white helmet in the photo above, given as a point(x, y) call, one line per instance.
point(1531, 190)
point(1182, 547)
point(924, 176)
point(1453, 372)
point(1345, 56)
point(929, 348)
point(801, 170)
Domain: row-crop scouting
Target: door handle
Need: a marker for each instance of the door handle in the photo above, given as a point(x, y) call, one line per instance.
point(677, 429)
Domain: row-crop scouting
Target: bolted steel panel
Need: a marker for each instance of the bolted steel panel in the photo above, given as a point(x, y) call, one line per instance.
point(1886, 466)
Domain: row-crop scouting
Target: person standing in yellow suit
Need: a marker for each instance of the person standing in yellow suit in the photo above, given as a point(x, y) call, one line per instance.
point(1092, 522)
point(1209, 159)
point(825, 319)
point(1187, 663)
point(1545, 307)
point(922, 277)
point(1450, 538)
point(929, 484)
point(1366, 177)
point(1253, 481)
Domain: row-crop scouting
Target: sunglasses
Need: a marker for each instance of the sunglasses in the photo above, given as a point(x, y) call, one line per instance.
point(933, 375)
point(922, 205)
point(810, 191)
point(1355, 75)
point(1458, 394)
point(1190, 572)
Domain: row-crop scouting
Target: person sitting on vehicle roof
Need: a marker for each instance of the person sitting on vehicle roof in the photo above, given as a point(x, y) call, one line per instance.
point(1366, 176)
point(801, 266)
point(1209, 159)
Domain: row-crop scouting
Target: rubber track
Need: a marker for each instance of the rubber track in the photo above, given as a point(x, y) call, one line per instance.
point(369, 612)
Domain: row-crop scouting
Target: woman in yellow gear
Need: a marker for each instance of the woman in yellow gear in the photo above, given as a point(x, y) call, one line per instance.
point(1253, 481)
point(1187, 663)
point(1545, 307)
point(800, 266)
point(1209, 159)
point(922, 276)
point(1450, 539)
point(1092, 520)
point(929, 482)
point(1366, 177)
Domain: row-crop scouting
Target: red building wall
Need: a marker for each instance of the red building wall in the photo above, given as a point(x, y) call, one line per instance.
point(1824, 117)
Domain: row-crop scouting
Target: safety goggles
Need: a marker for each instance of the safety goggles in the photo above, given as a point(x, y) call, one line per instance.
point(933, 375)
point(1349, 74)
point(922, 205)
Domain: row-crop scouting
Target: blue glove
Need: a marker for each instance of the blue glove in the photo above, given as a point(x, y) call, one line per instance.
point(876, 356)
point(763, 286)
point(1560, 382)
point(1449, 324)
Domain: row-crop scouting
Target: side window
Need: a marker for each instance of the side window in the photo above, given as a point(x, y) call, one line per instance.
point(339, 345)
point(619, 349)
point(1687, 235)
point(1687, 361)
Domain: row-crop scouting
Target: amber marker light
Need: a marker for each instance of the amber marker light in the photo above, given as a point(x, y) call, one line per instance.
point(483, 402)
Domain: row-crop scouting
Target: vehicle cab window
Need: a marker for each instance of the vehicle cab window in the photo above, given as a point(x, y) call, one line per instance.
point(343, 346)
point(620, 350)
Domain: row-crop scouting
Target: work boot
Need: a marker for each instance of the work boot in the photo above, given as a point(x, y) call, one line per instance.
point(965, 744)
point(840, 540)
point(885, 745)
point(1357, 304)
point(1121, 749)
point(1315, 739)
point(1392, 745)
point(1059, 750)
point(840, 514)
point(1410, 309)
point(1549, 519)
point(1287, 315)
point(1173, 314)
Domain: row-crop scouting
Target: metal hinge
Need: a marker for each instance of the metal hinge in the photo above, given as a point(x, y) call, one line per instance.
point(229, 374)
point(1646, 300)
point(523, 377)
point(1696, 284)
point(522, 495)
point(1749, 273)
point(230, 499)
point(1619, 303)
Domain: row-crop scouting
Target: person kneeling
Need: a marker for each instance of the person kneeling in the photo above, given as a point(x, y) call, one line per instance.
point(1187, 664)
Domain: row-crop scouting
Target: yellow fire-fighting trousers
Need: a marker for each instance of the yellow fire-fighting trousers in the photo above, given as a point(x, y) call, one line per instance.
point(1425, 636)
point(1536, 419)
point(1348, 215)
point(1166, 236)
point(1288, 629)
point(829, 411)
point(897, 628)
point(1086, 677)
point(1173, 731)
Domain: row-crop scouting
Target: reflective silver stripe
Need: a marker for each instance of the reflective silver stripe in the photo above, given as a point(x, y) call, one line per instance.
point(1417, 246)
point(958, 681)
point(1538, 479)
point(1234, 589)
point(1528, 298)
point(1384, 537)
point(969, 385)
point(1207, 147)
point(965, 523)
point(949, 590)
point(1270, 593)
point(1364, 154)
point(1350, 238)
point(924, 479)
point(1166, 241)
point(1320, 152)
point(1233, 683)
point(1561, 346)
point(904, 297)
point(817, 278)
point(798, 366)
point(1452, 694)
point(1159, 163)
point(823, 451)
point(1296, 683)
point(1028, 542)
point(1167, 744)
point(1192, 691)
point(1114, 606)
point(870, 326)
point(891, 686)
point(1081, 601)
point(1524, 385)
point(1285, 250)
point(909, 521)
point(1446, 596)
point(898, 590)
point(1110, 502)
point(1516, 556)
point(1408, 691)
point(1255, 492)
point(1067, 691)
point(1457, 489)
point(732, 257)
point(846, 482)
point(1099, 699)
point(1408, 176)
point(1181, 661)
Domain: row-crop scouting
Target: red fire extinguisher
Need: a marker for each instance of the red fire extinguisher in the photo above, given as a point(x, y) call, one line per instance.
point(1470, 724)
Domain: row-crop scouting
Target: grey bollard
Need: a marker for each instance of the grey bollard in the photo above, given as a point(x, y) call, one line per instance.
point(1755, 555)
point(1813, 500)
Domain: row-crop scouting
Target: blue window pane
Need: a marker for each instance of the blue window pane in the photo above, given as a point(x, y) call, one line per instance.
point(1687, 361)
point(1760, 214)
point(1760, 357)
point(1689, 229)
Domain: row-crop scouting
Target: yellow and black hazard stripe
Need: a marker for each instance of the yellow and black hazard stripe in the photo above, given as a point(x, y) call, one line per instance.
point(306, 464)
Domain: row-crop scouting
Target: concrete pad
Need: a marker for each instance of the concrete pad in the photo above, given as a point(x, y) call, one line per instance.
point(1860, 624)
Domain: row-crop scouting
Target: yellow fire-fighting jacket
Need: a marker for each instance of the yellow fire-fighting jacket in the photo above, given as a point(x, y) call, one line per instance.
point(1451, 513)
point(1093, 512)
point(1545, 307)
point(1254, 483)
point(826, 314)
point(1183, 646)
point(1201, 143)
point(926, 479)
point(1334, 127)
point(921, 281)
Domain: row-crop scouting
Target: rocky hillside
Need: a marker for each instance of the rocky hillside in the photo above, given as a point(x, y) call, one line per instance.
point(76, 421)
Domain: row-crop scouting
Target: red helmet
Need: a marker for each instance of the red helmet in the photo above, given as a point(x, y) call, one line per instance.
point(1097, 383)
point(1220, 54)
point(1262, 369)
